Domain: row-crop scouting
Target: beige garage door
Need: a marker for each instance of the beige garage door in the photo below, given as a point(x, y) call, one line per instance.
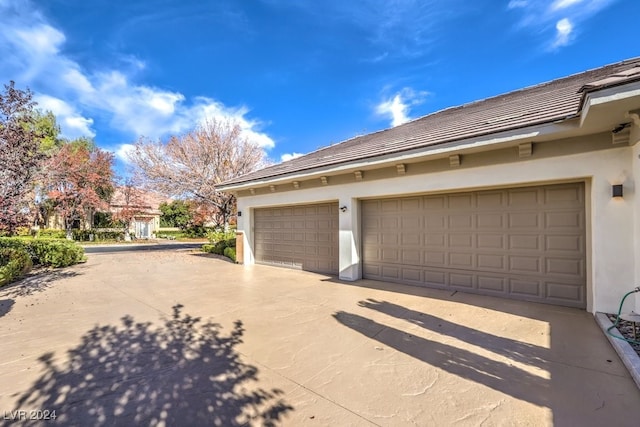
point(304, 237)
point(525, 243)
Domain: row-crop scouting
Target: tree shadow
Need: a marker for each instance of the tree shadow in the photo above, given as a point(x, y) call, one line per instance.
point(36, 281)
point(5, 306)
point(494, 374)
point(515, 350)
point(181, 373)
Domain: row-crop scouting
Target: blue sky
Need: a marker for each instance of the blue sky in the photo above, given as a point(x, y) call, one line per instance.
point(297, 75)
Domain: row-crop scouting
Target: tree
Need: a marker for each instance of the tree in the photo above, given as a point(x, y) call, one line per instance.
point(175, 214)
point(193, 165)
point(79, 180)
point(48, 131)
point(20, 157)
point(128, 202)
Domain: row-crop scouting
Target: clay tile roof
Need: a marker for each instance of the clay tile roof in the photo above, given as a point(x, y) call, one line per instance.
point(549, 102)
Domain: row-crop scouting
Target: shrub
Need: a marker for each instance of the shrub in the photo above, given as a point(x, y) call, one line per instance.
point(14, 262)
point(218, 235)
point(48, 253)
point(230, 253)
point(56, 253)
point(99, 234)
point(195, 231)
point(220, 248)
point(208, 248)
point(48, 233)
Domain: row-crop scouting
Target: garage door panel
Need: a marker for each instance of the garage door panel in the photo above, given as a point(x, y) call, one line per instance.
point(491, 262)
point(565, 266)
point(525, 264)
point(461, 260)
point(523, 243)
point(304, 237)
point(492, 283)
point(524, 220)
point(461, 221)
point(461, 201)
point(489, 200)
point(554, 220)
point(526, 242)
point(490, 221)
point(490, 241)
point(460, 280)
point(461, 241)
point(523, 197)
point(569, 243)
point(563, 291)
point(563, 196)
point(435, 278)
point(526, 287)
point(435, 221)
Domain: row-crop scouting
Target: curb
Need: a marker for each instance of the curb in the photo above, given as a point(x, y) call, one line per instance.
point(628, 355)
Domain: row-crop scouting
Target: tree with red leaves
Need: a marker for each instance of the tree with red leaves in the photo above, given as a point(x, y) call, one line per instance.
point(79, 180)
point(20, 157)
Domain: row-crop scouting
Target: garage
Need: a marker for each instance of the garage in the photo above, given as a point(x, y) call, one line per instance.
point(303, 237)
point(525, 243)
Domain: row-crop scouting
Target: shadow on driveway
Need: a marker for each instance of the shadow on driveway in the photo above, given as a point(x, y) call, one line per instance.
point(5, 306)
point(36, 281)
point(460, 362)
point(182, 373)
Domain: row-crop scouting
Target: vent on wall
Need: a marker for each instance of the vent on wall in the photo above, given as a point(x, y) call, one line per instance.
point(621, 137)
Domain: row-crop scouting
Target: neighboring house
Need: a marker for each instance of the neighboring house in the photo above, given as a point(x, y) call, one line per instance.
point(528, 195)
point(144, 206)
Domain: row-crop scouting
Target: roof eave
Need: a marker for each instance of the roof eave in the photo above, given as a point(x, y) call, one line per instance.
point(510, 137)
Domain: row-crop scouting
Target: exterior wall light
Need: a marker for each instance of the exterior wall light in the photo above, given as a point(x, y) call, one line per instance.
point(616, 190)
point(343, 209)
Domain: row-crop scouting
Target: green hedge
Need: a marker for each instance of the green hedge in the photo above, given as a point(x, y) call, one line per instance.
point(14, 262)
point(47, 253)
point(98, 235)
point(223, 247)
point(48, 233)
point(55, 253)
point(230, 253)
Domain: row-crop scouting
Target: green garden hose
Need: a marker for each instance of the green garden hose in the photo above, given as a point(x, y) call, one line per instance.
point(618, 319)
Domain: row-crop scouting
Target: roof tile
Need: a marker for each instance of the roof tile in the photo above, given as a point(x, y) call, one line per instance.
point(544, 103)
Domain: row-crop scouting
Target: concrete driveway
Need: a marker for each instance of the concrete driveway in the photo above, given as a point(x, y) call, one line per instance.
point(178, 338)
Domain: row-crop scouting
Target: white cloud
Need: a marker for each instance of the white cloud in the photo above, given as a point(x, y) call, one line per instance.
point(394, 108)
point(72, 123)
point(563, 4)
point(35, 57)
point(514, 4)
point(41, 39)
point(123, 152)
point(563, 32)
point(290, 156)
point(558, 19)
point(397, 106)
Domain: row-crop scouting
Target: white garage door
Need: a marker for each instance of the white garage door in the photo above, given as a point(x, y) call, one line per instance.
point(525, 243)
point(304, 237)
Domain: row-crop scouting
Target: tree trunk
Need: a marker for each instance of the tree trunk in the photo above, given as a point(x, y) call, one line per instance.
point(127, 232)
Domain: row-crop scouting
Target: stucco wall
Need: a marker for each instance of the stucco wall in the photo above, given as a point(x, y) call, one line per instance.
point(613, 234)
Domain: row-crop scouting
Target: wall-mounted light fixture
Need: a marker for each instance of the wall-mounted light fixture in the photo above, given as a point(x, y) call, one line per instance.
point(616, 190)
point(343, 209)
